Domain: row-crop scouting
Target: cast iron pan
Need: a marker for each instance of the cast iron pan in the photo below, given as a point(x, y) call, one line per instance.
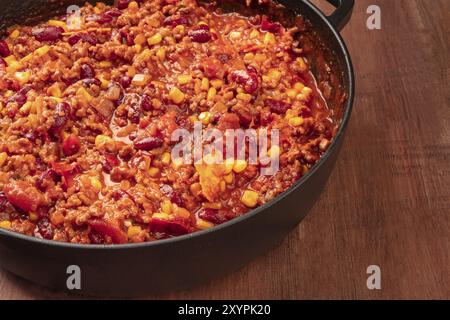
point(185, 261)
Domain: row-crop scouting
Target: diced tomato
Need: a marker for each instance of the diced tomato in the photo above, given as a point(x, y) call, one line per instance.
point(23, 195)
point(105, 228)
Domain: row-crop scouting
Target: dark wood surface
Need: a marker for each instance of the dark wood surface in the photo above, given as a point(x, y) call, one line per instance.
point(387, 202)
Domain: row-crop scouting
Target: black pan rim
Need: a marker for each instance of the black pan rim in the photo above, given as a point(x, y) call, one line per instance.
point(344, 123)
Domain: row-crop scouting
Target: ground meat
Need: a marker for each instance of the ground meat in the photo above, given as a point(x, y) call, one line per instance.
point(87, 118)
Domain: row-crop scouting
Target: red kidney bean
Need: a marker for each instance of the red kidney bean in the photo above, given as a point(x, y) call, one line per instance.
point(125, 81)
point(126, 37)
point(96, 238)
point(200, 35)
point(146, 102)
point(175, 21)
point(108, 229)
point(71, 145)
point(148, 143)
point(277, 106)
point(84, 37)
point(4, 49)
point(3, 201)
point(90, 81)
point(123, 4)
point(168, 228)
point(266, 25)
point(113, 13)
point(44, 229)
point(246, 78)
point(211, 215)
point(48, 33)
point(47, 176)
point(21, 96)
point(60, 116)
point(86, 71)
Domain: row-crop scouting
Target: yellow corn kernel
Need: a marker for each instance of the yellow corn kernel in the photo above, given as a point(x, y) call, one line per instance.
point(291, 93)
point(155, 39)
point(104, 83)
point(250, 198)
point(229, 178)
point(240, 165)
point(274, 151)
point(165, 158)
point(13, 66)
point(143, 56)
point(204, 117)
point(203, 224)
point(298, 86)
point(140, 39)
point(234, 35)
point(177, 163)
point(307, 91)
point(166, 207)
point(181, 212)
point(25, 109)
point(33, 216)
point(140, 80)
point(27, 58)
point(95, 182)
point(101, 139)
point(275, 75)
point(5, 224)
point(179, 29)
point(133, 5)
point(57, 23)
point(161, 216)
point(269, 39)
point(260, 58)
point(22, 77)
point(296, 121)
point(15, 34)
point(55, 91)
point(184, 79)
point(97, 10)
point(301, 64)
point(10, 59)
point(254, 34)
point(176, 95)
point(84, 94)
point(153, 172)
point(131, 71)
point(105, 64)
point(42, 50)
point(216, 83)
point(211, 94)
point(223, 186)
point(133, 230)
point(3, 158)
point(244, 97)
point(205, 84)
point(248, 57)
point(161, 54)
point(212, 205)
point(229, 164)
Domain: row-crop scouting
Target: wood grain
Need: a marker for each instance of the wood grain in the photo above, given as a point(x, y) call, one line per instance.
point(388, 199)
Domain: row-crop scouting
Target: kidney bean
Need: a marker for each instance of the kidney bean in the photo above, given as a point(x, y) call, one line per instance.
point(44, 228)
point(125, 81)
point(86, 71)
point(123, 4)
point(246, 78)
point(266, 25)
point(108, 229)
point(47, 177)
point(111, 161)
point(170, 228)
point(60, 116)
point(84, 37)
point(67, 171)
point(148, 143)
point(3, 201)
point(90, 81)
point(200, 35)
point(146, 102)
point(277, 106)
point(126, 37)
point(48, 33)
point(71, 145)
point(175, 21)
point(23, 195)
point(4, 49)
point(96, 238)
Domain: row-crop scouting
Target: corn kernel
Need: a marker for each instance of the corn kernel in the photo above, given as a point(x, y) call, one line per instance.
point(55, 91)
point(161, 54)
point(301, 64)
point(133, 5)
point(176, 95)
point(140, 80)
point(260, 58)
point(229, 164)
point(275, 75)
point(104, 83)
point(140, 39)
point(179, 29)
point(223, 186)
point(153, 172)
point(5, 224)
point(15, 34)
point(105, 64)
point(161, 215)
point(234, 35)
point(229, 178)
point(203, 224)
point(291, 93)
point(274, 151)
point(240, 165)
point(57, 23)
point(3, 158)
point(307, 91)
point(22, 77)
point(27, 58)
point(101, 139)
point(42, 50)
point(137, 48)
point(33, 216)
point(298, 86)
point(165, 158)
point(204, 117)
point(244, 97)
point(254, 34)
point(155, 39)
point(212, 205)
point(216, 83)
point(10, 59)
point(205, 84)
point(296, 121)
point(184, 79)
point(269, 39)
point(84, 94)
point(181, 212)
point(211, 94)
point(248, 57)
point(133, 230)
point(95, 182)
point(250, 198)
point(25, 109)
point(13, 66)
point(166, 207)
point(177, 163)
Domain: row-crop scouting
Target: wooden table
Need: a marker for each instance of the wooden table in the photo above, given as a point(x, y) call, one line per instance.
point(387, 202)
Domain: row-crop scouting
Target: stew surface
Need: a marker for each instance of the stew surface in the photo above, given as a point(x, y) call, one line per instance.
point(87, 115)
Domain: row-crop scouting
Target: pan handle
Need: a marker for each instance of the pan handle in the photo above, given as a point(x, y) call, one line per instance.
point(340, 17)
